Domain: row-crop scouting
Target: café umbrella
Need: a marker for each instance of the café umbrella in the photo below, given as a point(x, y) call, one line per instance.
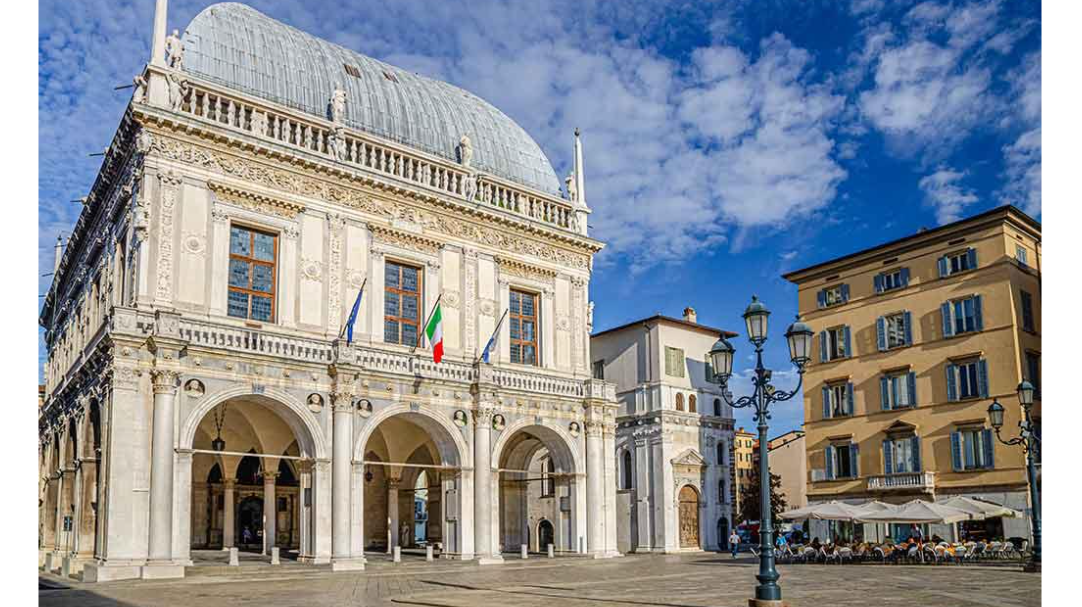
point(918, 512)
point(980, 509)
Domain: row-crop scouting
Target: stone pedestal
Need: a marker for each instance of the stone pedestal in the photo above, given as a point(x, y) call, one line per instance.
point(158, 571)
point(274, 556)
point(524, 552)
point(104, 572)
point(428, 553)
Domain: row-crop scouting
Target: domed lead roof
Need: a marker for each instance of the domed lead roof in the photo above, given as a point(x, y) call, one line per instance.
point(243, 49)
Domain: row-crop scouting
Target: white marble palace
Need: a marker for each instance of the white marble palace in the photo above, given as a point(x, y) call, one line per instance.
point(201, 392)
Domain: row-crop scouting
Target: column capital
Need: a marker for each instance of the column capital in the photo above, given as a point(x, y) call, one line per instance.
point(483, 415)
point(164, 381)
point(269, 477)
point(229, 483)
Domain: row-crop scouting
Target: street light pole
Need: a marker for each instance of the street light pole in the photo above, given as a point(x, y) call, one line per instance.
point(1031, 443)
point(799, 336)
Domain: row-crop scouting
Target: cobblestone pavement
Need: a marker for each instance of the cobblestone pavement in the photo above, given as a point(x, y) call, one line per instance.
point(668, 581)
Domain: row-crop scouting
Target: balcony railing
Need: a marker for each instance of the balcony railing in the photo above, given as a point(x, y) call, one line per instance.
point(353, 148)
point(922, 481)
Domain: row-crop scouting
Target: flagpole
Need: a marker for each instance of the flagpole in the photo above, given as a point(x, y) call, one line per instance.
point(342, 331)
point(494, 331)
point(421, 332)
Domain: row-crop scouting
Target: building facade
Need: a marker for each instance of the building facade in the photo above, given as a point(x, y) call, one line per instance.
point(789, 461)
point(674, 435)
point(916, 337)
point(202, 390)
point(744, 446)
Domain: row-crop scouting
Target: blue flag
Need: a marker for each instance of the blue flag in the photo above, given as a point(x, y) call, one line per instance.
point(353, 315)
point(492, 340)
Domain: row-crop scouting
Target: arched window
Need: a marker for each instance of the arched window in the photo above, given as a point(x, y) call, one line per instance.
point(679, 402)
point(691, 403)
point(717, 407)
point(627, 470)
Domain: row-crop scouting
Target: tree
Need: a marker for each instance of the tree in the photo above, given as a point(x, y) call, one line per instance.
point(749, 502)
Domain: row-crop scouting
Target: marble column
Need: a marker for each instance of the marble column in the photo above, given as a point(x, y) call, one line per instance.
point(341, 481)
point(392, 514)
point(229, 492)
point(595, 491)
point(87, 523)
point(270, 511)
point(48, 513)
point(482, 487)
point(161, 468)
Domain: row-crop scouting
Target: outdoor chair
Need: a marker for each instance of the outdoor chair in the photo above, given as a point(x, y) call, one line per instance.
point(844, 554)
point(861, 553)
point(913, 554)
point(808, 555)
point(879, 554)
point(929, 553)
point(961, 554)
point(993, 550)
point(831, 556)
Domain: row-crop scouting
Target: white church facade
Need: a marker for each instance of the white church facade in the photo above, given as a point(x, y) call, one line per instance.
point(200, 390)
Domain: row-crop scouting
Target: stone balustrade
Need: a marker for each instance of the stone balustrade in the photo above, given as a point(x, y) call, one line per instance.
point(255, 341)
point(526, 381)
point(902, 481)
point(353, 148)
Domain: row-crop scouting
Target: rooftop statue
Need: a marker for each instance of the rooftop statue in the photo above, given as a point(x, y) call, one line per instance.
point(465, 151)
point(175, 48)
point(338, 104)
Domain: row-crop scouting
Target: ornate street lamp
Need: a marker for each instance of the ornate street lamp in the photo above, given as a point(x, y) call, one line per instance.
point(1027, 437)
point(799, 336)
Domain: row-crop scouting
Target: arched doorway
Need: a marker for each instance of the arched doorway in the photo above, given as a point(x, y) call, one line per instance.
point(248, 475)
point(411, 470)
point(537, 467)
point(723, 534)
point(250, 523)
point(545, 535)
point(689, 517)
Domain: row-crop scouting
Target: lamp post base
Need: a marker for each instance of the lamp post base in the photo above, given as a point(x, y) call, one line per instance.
point(765, 603)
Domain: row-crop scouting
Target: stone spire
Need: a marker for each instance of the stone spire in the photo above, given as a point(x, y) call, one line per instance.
point(58, 252)
point(580, 179)
point(157, 45)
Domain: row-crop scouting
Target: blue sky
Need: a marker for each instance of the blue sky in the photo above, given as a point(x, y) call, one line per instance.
point(726, 143)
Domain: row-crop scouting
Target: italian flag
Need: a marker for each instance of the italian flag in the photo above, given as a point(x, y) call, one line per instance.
point(434, 333)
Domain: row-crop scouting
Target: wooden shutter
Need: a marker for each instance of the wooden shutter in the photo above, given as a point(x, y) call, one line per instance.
point(971, 256)
point(888, 457)
point(915, 446)
point(878, 281)
point(956, 451)
point(952, 383)
point(831, 454)
point(822, 346)
point(911, 382)
point(826, 402)
point(982, 377)
point(884, 392)
point(945, 313)
point(905, 277)
point(881, 333)
point(944, 268)
point(989, 448)
point(854, 460)
point(845, 293)
point(821, 298)
point(849, 398)
point(977, 315)
point(848, 343)
point(908, 320)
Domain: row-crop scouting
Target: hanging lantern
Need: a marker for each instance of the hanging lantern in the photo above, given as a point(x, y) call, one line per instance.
point(218, 444)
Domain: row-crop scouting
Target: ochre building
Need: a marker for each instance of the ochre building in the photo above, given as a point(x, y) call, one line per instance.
point(916, 337)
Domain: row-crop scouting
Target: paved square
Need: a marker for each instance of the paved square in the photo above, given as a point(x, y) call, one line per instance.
point(669, 581)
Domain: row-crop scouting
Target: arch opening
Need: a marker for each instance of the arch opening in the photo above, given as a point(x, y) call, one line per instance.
point(250, 473)
point(536, 482)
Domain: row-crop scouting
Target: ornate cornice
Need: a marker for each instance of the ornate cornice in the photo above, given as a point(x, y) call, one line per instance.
point(519, 269)
point(254, 201)
point(342, 190)
point(405, 240)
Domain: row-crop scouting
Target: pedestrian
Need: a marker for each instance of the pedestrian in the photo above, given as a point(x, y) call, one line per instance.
point(734, 542)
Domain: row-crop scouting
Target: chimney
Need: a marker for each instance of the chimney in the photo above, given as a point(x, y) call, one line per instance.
point(689, 314)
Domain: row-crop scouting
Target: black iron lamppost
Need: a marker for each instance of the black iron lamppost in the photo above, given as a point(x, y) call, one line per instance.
point(799, 335)
point(1032, 444)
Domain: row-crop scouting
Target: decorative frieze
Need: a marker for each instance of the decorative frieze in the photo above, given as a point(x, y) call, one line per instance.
point(405, 240)
point(507, 238)
point(168, 183)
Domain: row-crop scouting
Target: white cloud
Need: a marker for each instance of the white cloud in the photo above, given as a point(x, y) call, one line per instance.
point(1023, 173)
point(946, 195)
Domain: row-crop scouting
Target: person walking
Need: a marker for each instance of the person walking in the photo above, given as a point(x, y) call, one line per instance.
point(734, 542)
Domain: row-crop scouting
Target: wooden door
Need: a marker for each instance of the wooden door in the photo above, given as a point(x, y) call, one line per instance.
point(689, 517)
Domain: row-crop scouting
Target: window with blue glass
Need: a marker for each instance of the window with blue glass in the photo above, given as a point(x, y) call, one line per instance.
point(972, 449)
point(901, 454)
point(895, 279)
point(401, 303)
point(253, 257)
point(1020, 255)
point(962, 316)
point(960, 261)
point(967, 379)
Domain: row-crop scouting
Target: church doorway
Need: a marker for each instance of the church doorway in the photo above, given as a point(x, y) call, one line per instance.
point(545, 535)
point(723, 533)
point(689, 517)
